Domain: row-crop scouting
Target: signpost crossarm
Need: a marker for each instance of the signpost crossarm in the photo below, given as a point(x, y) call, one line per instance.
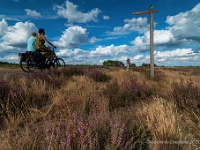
point(144, 12)
point(141, 12)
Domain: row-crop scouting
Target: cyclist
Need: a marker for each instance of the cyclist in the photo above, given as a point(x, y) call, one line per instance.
point(31, 45)
point(40, 47)
point(31, 42)
point(128, 64)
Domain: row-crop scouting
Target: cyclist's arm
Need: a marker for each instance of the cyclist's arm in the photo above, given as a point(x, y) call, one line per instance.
point(44, 38)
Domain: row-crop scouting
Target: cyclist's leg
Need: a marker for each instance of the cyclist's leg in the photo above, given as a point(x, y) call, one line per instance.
point(50, 54)
point(40, 55)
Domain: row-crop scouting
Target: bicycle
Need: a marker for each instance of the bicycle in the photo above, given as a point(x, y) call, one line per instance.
point(33, 61)
point(23, 60)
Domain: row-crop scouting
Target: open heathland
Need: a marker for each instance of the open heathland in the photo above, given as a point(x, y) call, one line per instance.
point(97, 108)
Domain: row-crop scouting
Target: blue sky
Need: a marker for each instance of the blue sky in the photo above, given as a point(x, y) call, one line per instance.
point(92, 31)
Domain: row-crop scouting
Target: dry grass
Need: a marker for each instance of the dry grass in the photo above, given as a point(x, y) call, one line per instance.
point(80, 93)
point(5, 70)
point(163, 119)
point(81, 102)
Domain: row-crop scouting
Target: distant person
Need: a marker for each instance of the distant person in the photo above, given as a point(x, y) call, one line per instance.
point(31, 42)
point(128, 64)
point(40, 47)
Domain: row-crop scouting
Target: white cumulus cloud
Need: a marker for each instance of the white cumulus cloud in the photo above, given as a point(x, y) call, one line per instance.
point(111, 50)
point(185, 25)
point(32, 13)
point(73, 37)
point(135, 24)
point(174, 53)
point(70, 12)
point(18, 34)
point(3, 27)
point(177, 56)
point(106, 17)
point(138, 57)
point(161, 37)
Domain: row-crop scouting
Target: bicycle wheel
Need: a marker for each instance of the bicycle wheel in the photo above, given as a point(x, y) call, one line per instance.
point(59, 63)
point(31, 65)
point(50, 65)
point(23, 66)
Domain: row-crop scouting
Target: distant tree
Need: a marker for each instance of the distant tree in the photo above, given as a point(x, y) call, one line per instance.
point(133, 65)
point(3, 63)
point(113, 63)
point(147, 65)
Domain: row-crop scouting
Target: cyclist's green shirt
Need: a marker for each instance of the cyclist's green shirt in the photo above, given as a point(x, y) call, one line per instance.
point(39, 46)
point(39, 43)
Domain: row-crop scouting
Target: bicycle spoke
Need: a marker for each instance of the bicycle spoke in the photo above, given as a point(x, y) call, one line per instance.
point(60, 63)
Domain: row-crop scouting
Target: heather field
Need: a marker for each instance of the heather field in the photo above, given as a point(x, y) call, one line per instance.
point(101, 108)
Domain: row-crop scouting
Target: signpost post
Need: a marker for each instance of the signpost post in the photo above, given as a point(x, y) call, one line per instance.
point(150, 11)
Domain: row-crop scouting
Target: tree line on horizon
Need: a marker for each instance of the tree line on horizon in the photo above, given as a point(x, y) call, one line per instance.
point(111, 63)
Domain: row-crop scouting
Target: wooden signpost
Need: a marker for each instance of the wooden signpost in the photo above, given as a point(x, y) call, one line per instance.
point(150, 11)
